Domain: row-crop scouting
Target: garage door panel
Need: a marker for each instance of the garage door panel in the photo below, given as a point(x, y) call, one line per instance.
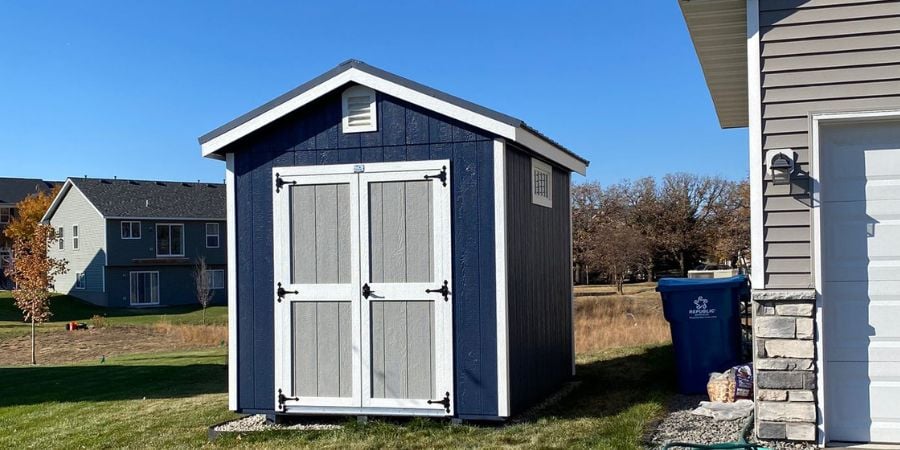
point(860, 220)
point(862, 321)
point(873, 387)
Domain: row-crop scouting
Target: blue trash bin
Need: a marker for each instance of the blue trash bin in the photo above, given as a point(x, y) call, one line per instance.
point(704, 317)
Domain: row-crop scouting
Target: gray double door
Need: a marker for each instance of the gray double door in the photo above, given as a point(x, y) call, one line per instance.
point(363, 322)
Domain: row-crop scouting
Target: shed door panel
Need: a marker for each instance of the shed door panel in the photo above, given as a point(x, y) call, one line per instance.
point(322, 349)
point(407, 348)
point(860, 219)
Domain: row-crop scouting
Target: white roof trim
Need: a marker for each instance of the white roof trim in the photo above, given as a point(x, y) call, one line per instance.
point(58, 200)
point(354, 75)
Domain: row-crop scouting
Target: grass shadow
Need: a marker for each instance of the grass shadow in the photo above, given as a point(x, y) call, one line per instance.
point(111, 382)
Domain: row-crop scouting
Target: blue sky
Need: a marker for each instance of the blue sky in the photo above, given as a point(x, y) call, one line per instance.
point(125, 88)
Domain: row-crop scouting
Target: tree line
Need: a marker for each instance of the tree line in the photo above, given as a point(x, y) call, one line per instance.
point(645, 227)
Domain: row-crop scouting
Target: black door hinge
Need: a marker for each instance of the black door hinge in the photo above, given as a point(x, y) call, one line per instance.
point(283, 398)
point(444, 290)
point(445, 402)
point(441, 176)
point(281, 293)
point(279, 183)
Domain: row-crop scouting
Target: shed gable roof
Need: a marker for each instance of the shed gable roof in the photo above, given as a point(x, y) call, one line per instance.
point(14, 190)
point(144, 199)
point(354, 71)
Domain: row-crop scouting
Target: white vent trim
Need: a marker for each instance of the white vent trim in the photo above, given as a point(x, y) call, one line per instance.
point(541, 183)
point(359, 111)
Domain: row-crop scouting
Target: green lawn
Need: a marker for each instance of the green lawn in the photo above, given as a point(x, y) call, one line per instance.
point(66, 309)
point(168, 400)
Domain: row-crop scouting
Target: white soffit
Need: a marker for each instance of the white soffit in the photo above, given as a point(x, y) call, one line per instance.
point(718, 29)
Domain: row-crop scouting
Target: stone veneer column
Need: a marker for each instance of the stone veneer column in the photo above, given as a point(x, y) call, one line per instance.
point(785, 364)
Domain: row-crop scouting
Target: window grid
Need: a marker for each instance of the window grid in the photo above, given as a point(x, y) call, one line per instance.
point(131, 230)
point(212, 235)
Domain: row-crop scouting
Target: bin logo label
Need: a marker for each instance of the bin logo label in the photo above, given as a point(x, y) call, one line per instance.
point(701, 309)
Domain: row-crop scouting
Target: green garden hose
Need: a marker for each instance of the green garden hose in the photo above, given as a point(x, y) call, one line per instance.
point(740, 444)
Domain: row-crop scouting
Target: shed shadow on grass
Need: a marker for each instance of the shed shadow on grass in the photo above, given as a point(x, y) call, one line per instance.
point(108, 382)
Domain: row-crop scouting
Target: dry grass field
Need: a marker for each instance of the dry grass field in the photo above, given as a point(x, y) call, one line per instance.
point(604, 319)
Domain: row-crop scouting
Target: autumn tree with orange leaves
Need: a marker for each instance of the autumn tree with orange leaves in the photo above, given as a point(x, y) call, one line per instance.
point(32, 269)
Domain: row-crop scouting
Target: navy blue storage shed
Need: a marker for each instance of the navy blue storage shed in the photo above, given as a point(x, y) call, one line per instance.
point(396, 251)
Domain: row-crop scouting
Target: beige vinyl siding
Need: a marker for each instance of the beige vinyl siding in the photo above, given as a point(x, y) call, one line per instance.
point(816, 56)
point(90, 258)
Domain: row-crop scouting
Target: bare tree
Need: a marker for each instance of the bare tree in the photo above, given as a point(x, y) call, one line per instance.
point(730, 235)
point(585, 211)
point(202, 284)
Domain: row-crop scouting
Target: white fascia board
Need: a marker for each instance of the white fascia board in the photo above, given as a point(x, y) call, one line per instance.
point(354, 75)
point(68, 185)
point(549, 151)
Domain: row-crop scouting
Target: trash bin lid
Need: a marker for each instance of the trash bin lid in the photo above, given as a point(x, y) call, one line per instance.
point(687, 284)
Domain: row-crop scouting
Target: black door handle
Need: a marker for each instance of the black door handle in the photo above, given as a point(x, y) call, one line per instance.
point(367, 291)
point(444, 290)
point(281, 292)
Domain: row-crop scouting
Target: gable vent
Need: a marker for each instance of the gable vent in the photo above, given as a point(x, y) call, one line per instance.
point(359, 110)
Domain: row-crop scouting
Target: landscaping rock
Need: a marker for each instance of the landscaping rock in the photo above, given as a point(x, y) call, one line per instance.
point(258, 423)
point(682, 426)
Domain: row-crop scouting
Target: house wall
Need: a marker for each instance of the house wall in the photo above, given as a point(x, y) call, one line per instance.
point(816, 56)
point(90, 257)
point(176, 284)
point(312, 136)
point(123, 252)
point(539, 284)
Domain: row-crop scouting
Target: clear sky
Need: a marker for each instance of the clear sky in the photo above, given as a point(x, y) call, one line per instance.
point(125, 88)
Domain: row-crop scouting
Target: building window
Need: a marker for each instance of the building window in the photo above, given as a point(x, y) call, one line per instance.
point(144, 288)
point(79, 281)
point(541, 183)
point(359, 110)
point(6, 214)
point(59, 235)
point(74, 237)
point(215, 279)
point(169, 239)
point(131, 230)
point(212, 235)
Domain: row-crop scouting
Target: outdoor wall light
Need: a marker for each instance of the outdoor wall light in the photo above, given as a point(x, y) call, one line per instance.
point(781, 166)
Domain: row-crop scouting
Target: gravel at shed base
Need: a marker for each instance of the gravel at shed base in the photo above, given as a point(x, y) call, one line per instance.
point(787, 445)
point(682, 426)
point(258, 423)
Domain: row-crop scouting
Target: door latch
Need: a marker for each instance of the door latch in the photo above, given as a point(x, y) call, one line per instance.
point(281, 292)
point(441, 176)
point(444, 290)
point(367, 291)
point(283, 398)
point(445, 402)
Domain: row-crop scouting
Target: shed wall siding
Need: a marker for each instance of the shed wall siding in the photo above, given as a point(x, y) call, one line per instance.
point(816, 56)
point(312, 136)
point(90, 257)
point(539, 285)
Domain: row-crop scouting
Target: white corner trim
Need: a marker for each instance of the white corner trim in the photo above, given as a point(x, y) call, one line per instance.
point(502, 299)
point(230, 251)
point(816, 195)
point(513, 133)
point(757, 237)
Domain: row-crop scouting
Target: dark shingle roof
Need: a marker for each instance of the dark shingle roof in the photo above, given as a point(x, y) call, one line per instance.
point(14, 190)
point(154, 199)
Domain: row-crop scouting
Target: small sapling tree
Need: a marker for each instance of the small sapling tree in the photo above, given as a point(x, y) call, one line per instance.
point(32, 270)
point(202, 284)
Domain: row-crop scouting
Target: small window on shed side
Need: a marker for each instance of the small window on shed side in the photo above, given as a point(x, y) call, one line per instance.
point(541, 183)
point(359, 110)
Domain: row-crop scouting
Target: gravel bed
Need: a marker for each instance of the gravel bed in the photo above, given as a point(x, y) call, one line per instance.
point(682, 426)
point(258, 423)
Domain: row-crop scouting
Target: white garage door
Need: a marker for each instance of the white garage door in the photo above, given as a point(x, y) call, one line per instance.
point(860, 217)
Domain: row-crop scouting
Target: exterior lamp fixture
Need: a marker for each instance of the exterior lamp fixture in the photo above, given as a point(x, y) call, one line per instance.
point(781, 166)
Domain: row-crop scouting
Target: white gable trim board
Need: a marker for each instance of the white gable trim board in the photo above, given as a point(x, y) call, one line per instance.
point(354, 75)
point(67, 186)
